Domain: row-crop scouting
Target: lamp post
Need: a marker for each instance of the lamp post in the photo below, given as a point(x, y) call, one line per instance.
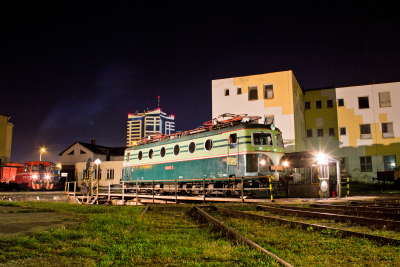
point(41, 150)
point(97, 162)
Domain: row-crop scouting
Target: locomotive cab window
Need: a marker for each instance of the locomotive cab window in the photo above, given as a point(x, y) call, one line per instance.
point(140, 155)
point(27, 168)
point(47, 168)
point(35, 168)
point(151, 153)
point(279, 140)
point(232, 139)
point(262, 139)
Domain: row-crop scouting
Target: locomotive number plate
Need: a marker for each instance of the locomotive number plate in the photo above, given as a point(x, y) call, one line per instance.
point(277, 168)
point(169, 167)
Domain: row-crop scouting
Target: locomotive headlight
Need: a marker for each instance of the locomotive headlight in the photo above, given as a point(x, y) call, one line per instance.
point(262, 162)
point(34, 176)
point(47, 176)
point(285, 164)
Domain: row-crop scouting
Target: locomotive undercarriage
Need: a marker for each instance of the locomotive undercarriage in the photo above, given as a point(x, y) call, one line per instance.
point(252, 188)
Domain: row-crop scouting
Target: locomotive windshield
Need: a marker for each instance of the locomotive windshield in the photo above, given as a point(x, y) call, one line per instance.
point(262, 139)
point(278, 140)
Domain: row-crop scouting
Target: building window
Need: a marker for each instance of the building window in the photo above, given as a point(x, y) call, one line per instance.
point(71, 153)
point(151, 153)
point(83, 152)
point(343, 131)
point(268, 119)
point(343, 165)
point(239, 90)
point(331, 131)
point(177, 149)
point(208, 145)
point(363, 102)
point(318, 104)
point(226, 92)
point(309, 133)
point(140, 155)
point(192, 147)
point(268, 91)
point(340, 102)
point(110, 174)
point(320, 132)
point(366, 164)
point(162, 152)
point(329, 103)
point(307, 105)
point(365, 130)
point(389, 162)
point(387, 130)
point(384, 100)
point(253, 93)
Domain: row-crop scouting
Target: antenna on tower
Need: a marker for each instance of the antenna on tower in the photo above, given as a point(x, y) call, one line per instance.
point(158, 101)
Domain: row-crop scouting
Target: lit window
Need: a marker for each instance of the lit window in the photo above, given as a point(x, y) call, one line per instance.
point(341, 102)
point(253, 93)
point(387, 130)
point(365, 130)
point(329, 103)
point(389, 162)
point(384, 100)
point(318, 104)
point(366, 164)
point(307, 105)
point(268, 91)
point(363, 102)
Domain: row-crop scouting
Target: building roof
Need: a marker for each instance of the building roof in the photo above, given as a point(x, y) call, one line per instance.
point(100, 150)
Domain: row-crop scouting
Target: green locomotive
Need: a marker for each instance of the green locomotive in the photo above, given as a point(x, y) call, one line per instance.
point(228, 147)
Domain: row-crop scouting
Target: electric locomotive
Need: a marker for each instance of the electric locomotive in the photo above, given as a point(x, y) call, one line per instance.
point(226, 148)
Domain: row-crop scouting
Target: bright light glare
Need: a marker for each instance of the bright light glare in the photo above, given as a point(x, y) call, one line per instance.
point(262, 162)
point(97, 161)
point(47, 176)
point(322, 159)
point(285, 164)
point(34, 176)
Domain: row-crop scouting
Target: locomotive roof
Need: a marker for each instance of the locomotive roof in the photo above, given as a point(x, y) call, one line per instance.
point(209, 132)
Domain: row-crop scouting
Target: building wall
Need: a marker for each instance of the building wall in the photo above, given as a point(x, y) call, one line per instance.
point(351, 117)
point(116, 166)
point(324, 118)
point(283, 106)
point(6, 129)
point(77, 156)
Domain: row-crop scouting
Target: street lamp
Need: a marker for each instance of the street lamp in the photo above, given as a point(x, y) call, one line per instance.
point(41, 150)
point(97, 162)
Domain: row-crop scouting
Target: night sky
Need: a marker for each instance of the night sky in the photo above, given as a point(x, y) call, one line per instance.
point(73, 70)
